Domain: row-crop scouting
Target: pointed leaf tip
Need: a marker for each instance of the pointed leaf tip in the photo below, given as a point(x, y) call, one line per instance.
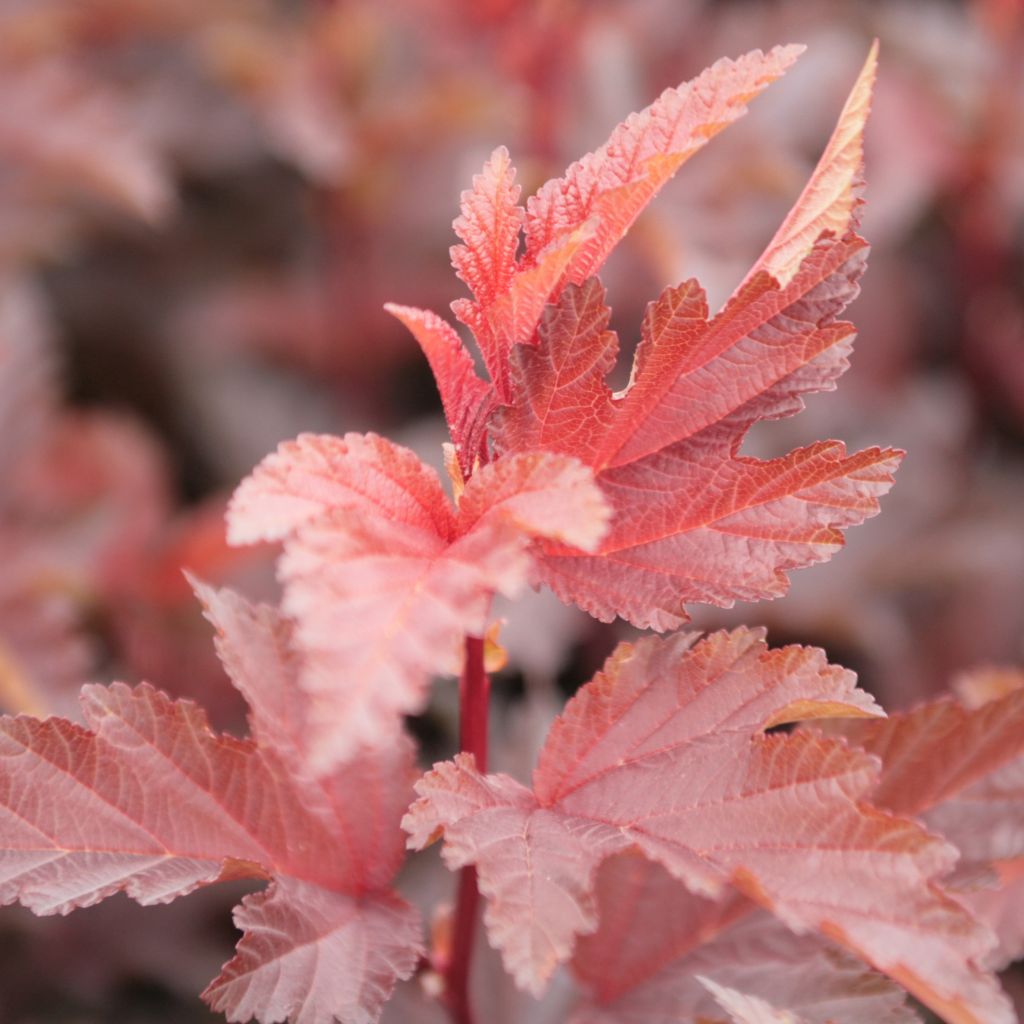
point(833, 195)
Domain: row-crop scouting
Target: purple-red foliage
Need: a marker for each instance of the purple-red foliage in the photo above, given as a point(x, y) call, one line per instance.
point(680, 855)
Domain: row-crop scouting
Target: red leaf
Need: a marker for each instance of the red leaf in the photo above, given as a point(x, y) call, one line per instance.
point(384, 579)
point(489, 226)
point(572, 223)
point(933, 753)
point(150, 802)
point(665, 751)
point(512, 318)
point(614, 183)
point(694, 520)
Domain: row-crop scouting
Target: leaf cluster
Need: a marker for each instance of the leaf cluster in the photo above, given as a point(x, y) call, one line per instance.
point(682, 856)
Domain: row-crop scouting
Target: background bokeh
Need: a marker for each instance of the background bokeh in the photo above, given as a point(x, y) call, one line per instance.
point(204, 205)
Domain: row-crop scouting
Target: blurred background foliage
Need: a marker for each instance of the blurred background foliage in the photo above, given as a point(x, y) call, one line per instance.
point(203, 206)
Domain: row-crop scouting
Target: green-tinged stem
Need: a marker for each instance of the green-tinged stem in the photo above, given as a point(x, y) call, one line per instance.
point(474, 699)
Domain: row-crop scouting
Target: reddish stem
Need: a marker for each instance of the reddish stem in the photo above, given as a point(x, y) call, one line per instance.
point(474, 702)
point(474, 698)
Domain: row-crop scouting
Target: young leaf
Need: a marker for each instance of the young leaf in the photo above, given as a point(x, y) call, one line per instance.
point(384, 578)
point(489, 226)
point(694, 520)
point(573, 223)
point(148, 801)
point(665, 751)
point(614, 183)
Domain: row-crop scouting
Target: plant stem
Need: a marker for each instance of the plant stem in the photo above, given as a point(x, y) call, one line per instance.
point(474, 702)
point(474, 699)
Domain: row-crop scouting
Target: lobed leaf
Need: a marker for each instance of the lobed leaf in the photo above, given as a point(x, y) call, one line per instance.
point(149, 801)
point(384, 579)
point(664, 751)
point(693, 520)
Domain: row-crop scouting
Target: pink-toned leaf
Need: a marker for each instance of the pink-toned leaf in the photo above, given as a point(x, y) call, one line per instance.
point(315, 473)
point(648, 921)
point(170, 803)
point(512, 317)
point(298, 940)
point(380, 607)
point(150, 802)
point(559, 399)
point(830, 200)
point(614, 183)
point(382, 598)
point(542, 495)
point(535, 867)
point(466, 399)
point(255, 644)
point(658, 946)
point(665, 751)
